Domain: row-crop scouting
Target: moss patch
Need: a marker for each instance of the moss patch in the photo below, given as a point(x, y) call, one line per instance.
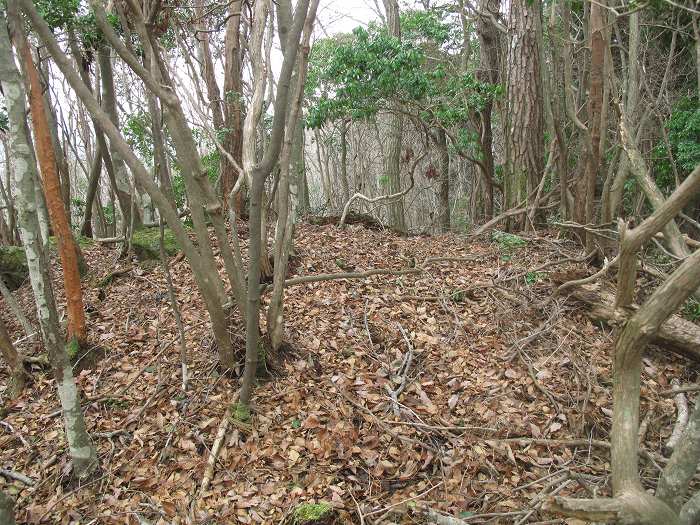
point(13, 266)
point(314, 514)
point(146, 243)
point(240, 412)
point(84, 357)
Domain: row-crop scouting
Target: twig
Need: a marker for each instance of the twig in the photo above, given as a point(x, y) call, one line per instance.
point(11, 474)
point(214, 454)
point(681, 421)
point(384, 427)
point(359, 511)
point(385, 509)
point(403, 370)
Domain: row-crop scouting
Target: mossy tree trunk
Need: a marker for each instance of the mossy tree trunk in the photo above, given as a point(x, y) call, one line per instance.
point(82, 451)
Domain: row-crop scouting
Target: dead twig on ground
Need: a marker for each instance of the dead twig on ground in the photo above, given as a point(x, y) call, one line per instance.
point(17, 476)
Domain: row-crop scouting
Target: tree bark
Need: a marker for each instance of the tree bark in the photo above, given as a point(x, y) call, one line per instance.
point(81, 449)
point(394, 121)
point(14, 360)
point(525, 127)
point(67, 247)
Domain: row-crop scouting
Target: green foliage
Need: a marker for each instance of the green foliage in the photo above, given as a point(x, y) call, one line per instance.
point(691, 309)
point(73, 349)
point(507, 243)
point(58, 13)
point(109, 213)
point(533, 277)
point(137, 132)
point(240, 412)
point(368, 71)
point(683, 128)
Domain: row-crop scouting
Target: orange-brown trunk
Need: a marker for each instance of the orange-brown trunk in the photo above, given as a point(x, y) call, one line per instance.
point(52, 190)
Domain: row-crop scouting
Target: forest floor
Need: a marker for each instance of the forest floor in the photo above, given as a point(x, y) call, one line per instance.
point(504, 394)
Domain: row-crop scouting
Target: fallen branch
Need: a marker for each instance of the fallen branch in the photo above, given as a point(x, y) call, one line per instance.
point(343, 275)
point(682, 389)
point(11, 474)
point(511, 213)
point(109, 240)
point(384, 199)
point(403, 370)
point(214, 454)
point(681, 421)
point(677, 334)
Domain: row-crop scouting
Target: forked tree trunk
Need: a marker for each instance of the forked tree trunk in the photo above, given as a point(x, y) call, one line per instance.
point(67, 247)
point(81, 449)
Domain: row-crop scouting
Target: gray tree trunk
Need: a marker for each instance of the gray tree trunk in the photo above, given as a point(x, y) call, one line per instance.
point(82, 451)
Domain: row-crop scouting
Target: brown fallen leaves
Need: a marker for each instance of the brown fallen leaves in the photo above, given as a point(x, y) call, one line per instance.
point(324, 426)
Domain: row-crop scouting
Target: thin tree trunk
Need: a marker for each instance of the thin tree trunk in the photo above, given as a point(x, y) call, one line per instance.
point(392, 161)
point(444, 180)
point(233, 102)
point(81, 449)
point(121, 184)
point(67, 247)
point(93, 186)
point(14, 360)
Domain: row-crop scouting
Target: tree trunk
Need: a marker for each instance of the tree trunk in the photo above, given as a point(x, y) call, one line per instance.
point(525, 128)
point(67, 247)
point(489, 71)
point(93, 187)
point(14, 360)
point(587, 184)
point(444, 180)
point(7, 514)
point(392, 160)
point(233, 102)
point(81, 449)
point(121, 186)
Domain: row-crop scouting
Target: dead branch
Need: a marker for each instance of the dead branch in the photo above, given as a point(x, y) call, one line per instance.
point(682, 389)
point(383, 199)
point(681, 421)
point(677, 334)
point(214, 454)
point(17, 476)
point(403, 371)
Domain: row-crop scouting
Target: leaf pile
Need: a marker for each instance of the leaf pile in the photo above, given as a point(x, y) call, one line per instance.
point(457, 392)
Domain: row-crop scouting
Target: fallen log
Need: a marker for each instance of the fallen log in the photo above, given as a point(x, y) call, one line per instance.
point(677, 334)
